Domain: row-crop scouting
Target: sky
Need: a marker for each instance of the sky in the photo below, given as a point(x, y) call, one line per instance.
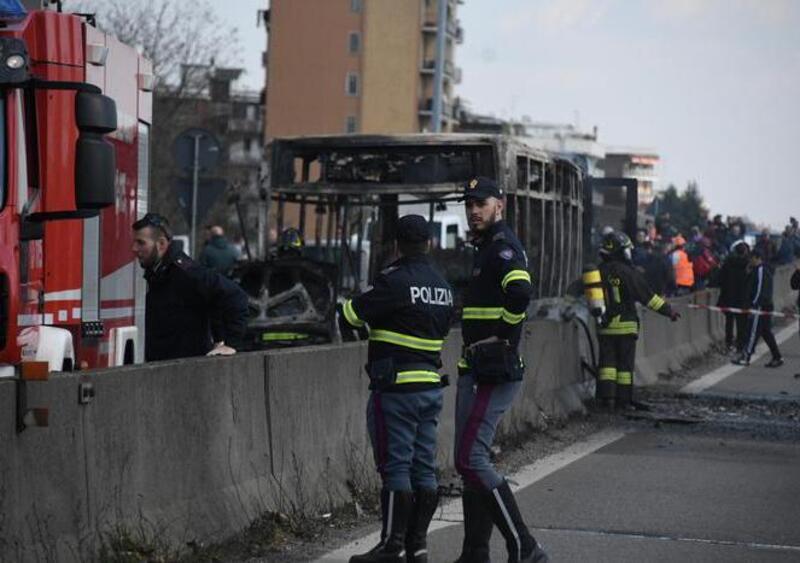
point(712, 85)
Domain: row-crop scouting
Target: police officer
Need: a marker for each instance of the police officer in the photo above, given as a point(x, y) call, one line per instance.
point(490, 375)
point(190, 310)
point(409, 311)
point(618, 327)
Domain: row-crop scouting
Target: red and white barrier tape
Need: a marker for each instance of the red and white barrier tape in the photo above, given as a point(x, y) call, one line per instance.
point(741, 311)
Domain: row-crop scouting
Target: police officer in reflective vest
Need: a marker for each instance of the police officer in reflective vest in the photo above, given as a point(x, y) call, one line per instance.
point(618, 326)
point(490, 375)
point(409, 311)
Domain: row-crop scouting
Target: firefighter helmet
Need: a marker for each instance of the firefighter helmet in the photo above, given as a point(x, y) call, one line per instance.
point(291, 242)
point(616, 245)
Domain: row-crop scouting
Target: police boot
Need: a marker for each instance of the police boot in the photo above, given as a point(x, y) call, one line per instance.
point(425, 503)
point(477, 527)
point(522, 548)
point(396, 509)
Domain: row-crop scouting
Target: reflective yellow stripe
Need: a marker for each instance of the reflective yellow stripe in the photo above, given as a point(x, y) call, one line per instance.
point(590, 277)
point(623, 331)
point(418, 376)
point(624, 378)
point(269, 336)
point(462, 363)
point(595, 293)
point(515, 275)
point(482, 313)
point(350, 314)
point(512, 318)
point(406, 340)
point(619, 328)
point(608, 374)
point(655, 303)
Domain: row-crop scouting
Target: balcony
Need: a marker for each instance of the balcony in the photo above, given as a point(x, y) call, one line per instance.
point(448, 110)
point(451, 72)
point(454, 29)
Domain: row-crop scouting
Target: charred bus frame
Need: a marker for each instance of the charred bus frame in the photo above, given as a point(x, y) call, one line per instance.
point(352, 182)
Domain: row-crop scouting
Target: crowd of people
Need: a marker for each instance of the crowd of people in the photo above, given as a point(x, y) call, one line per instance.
point(676, 263)
point(720, 255)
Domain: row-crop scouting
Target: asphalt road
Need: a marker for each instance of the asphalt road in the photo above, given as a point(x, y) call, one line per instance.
point(726, 488)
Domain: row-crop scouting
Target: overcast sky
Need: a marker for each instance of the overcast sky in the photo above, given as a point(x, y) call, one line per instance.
point(712, 85)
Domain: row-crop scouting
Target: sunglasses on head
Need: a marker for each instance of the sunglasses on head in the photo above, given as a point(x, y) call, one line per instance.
point(156, 221)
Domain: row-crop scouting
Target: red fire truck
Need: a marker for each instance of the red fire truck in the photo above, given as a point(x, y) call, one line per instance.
point(75, 114)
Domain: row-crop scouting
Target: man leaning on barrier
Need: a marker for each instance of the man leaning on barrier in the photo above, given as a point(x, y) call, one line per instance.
point(490, 376)
point(408, 310)
point(190, 310)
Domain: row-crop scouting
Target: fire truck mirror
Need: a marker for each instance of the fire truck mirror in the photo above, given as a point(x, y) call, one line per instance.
point(95, 113)
point(95, 163)
point(31, 230)
point(95, 159)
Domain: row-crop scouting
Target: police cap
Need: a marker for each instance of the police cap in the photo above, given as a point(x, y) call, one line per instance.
point(482, 187)
point(413, 228)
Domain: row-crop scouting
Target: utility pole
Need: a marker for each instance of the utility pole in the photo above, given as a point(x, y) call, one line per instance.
point(438, 75)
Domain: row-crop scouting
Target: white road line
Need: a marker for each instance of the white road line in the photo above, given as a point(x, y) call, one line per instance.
point(658, 537)
point(450, 512)
point(712, 378)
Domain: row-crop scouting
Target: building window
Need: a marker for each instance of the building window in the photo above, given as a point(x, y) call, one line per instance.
point(351, 85)
point(351, 125)
point(355, 6)
point(355, 42)
point(248, 144)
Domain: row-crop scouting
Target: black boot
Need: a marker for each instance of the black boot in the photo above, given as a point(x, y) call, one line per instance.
point(425, 503)
point(396, 509)
point(522, 548)
point(477, 527)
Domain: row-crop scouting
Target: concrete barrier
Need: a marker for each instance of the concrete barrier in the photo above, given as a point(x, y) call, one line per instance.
point(196, 449)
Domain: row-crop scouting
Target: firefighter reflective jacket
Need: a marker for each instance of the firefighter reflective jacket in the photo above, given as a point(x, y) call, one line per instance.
point(409, 311)
point(499, 291)
point(624, 286)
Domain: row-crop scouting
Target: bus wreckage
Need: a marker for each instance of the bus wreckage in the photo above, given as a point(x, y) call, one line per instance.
point(345, 193)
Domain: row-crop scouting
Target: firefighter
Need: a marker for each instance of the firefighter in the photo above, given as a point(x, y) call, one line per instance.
point(290, 243)
point(490, 375)
point(408, 310)
point(189, 310)
point(618, 326)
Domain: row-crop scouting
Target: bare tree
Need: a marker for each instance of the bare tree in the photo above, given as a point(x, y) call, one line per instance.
point(184, 39)
point(180, 37)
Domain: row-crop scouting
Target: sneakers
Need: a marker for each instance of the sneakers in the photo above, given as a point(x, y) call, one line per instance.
point(741, 360)
point(774, 363)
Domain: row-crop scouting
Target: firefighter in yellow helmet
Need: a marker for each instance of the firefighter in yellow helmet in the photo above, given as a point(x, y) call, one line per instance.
point(618, 324)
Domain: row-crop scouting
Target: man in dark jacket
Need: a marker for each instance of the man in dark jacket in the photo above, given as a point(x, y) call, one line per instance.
point(490, 374)
point(190, 310)
point(657, 269)
point(759, 292)
point(219, 254)
point(732, 283)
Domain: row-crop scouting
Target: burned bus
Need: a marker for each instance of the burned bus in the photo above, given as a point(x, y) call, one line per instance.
point(345, 193)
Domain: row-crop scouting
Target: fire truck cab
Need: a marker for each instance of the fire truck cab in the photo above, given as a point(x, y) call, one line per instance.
point(75, 114)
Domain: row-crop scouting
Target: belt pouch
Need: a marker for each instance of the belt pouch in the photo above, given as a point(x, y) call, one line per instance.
point(494, 362)
point(382, 374)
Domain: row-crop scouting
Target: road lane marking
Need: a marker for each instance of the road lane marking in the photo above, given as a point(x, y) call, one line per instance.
point(450, 514)
point(662, 537)
point(714, 377)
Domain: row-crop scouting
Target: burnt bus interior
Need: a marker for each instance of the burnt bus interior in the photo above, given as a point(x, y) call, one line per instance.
point(345, 194)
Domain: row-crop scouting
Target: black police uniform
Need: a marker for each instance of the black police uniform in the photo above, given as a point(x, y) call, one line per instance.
point(618, 330)
point(409, 311)
point(490, 377)
point(189, 307)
